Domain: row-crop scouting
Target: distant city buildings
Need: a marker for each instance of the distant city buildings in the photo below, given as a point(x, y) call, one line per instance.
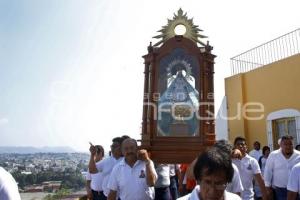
point(36, 164)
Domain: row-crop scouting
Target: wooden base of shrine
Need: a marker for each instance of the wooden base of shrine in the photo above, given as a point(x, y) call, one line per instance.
point(172, 150)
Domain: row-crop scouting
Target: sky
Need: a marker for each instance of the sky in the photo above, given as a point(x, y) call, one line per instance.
point(71, 71)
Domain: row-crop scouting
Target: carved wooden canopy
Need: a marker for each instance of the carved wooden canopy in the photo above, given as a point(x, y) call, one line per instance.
point(178, 109)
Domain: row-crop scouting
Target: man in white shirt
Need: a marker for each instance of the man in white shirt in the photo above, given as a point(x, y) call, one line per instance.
point(8, 186)
point(213, 171)
point(106, 165)
point(94, 185)
point(174, 172)
point(278, 167)
point(134, 176)
point(256, 151)
point(162, 190)
point(235, 186)
point(293, 186)
point(249, 170)
point(94, 178)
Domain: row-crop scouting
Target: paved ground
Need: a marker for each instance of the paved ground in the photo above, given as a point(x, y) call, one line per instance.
point(41, 195)
point(33, 196)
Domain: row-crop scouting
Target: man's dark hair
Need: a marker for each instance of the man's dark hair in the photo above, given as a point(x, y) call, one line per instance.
point(118, 140)
point(239, 139)
point(286, 137)
point(264, 149)
point(213, 161)
point(257, 142)
point(223, 145)
point(125, 137)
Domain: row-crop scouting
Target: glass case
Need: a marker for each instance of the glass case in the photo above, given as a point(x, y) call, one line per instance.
point(179, 99)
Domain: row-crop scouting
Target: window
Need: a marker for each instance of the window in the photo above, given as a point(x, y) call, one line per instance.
point(284, 126)
point(283, 122)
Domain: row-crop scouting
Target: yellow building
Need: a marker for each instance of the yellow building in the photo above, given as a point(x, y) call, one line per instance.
point(263, 95)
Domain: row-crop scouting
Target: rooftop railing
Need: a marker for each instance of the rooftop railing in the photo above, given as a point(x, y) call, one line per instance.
point(269, 52)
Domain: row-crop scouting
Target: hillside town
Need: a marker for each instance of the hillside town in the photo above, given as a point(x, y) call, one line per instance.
point(46, 172)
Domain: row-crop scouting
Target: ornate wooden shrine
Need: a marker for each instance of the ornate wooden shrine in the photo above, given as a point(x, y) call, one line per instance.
point(178, 109)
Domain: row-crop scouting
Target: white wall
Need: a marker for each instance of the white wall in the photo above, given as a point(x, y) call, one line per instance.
point(221, 126)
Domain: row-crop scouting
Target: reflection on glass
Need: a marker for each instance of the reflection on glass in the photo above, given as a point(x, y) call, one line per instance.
point(178, 106)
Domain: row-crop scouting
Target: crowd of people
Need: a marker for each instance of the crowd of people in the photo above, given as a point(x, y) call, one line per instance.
point(222, 172)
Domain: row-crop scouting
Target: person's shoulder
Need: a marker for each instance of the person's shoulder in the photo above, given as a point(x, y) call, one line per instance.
point(3, 171)
point(252, 151)
point(231, 196)
point(5, 175)
point(251, 160)
point(2, 176)
point(235, 168)
point(101, 161)
point(296, 167)
point(249, 157)
point(296, 156)
point(141, 162)
point(274, 154)
point(117, 167)
point(297, 152)
point(8, 185)
point(107, 160)
point(277, 151)
point(193, 195)
point(119, 164)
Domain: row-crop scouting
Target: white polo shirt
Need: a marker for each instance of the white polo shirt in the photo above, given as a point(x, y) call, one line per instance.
point(173, 168)
point(263, 164)
point(130, 182)
point(105, 167)
point(8, 186)
point(294, 179)
point(194, 195)
point(96, 180)
point(163, 176)
point(255, 154)
point(278, 168)
point(248, 167)
point(235, 185)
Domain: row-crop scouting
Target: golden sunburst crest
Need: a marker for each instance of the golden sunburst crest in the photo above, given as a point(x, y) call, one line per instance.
point(168, 31)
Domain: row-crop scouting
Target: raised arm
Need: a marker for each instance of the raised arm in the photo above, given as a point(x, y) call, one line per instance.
point(92, 163)
point(151, 175)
